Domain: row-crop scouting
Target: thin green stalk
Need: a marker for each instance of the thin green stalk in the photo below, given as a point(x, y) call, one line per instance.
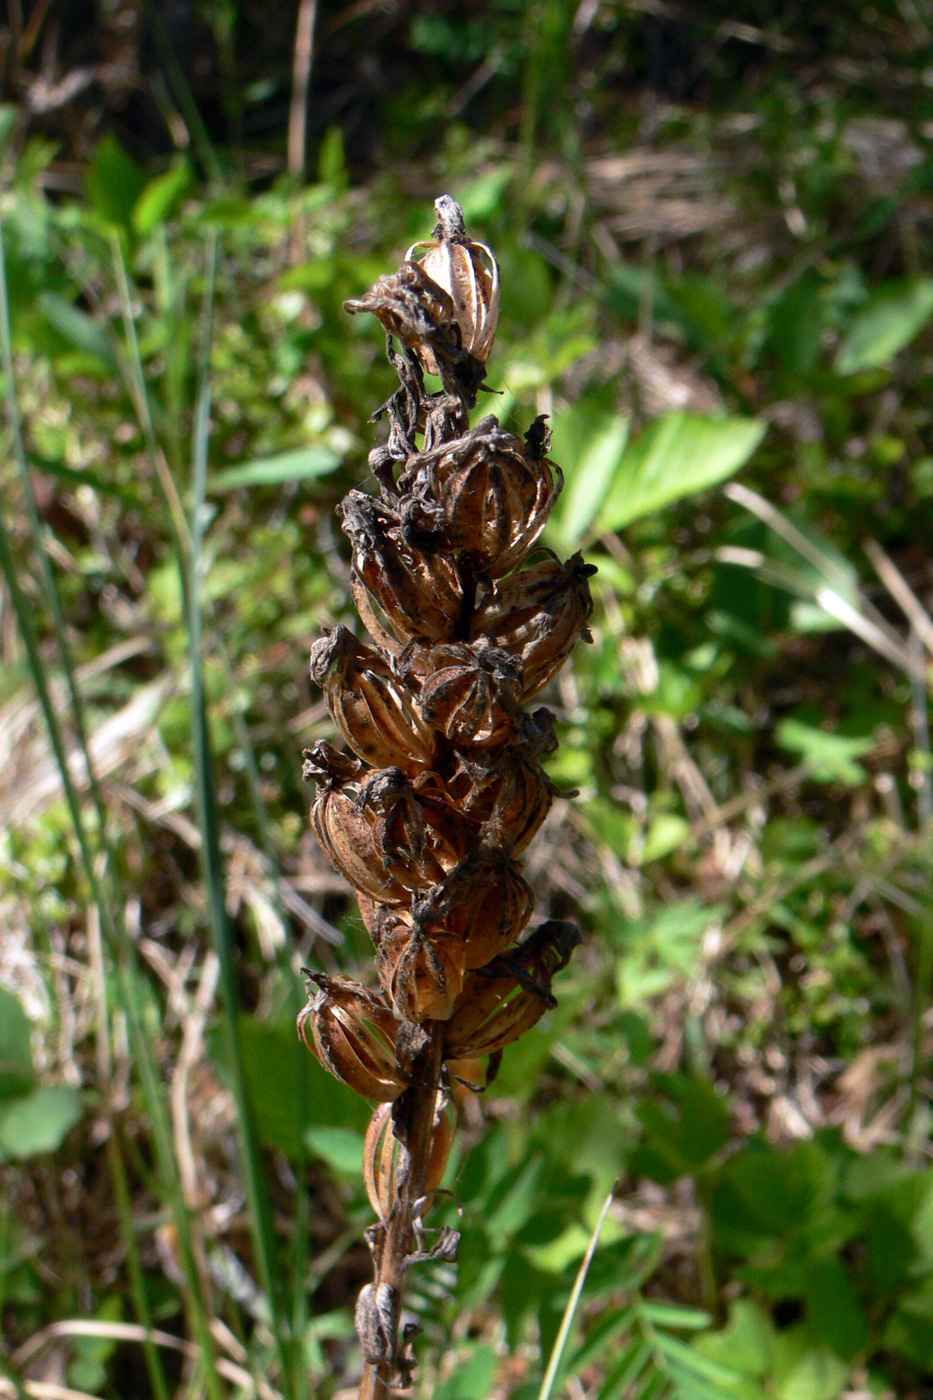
point(264, 1244)
point(106, 902)
point(560, 1342)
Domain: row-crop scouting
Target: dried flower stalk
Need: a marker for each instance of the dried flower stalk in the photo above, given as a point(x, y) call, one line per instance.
point(443, 790)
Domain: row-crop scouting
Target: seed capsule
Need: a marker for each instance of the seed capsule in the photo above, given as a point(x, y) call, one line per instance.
point(539, 614)
point(347, 836)
point(417, 595)
point(420, 835)
point(506, 791)
point(374, 711)
point(484, 494)
point(485, 902)
point(422, 974)
point(468, 272)
point(410, 304)
point(501, 1001)
point(471, 694)
point(352, 1032)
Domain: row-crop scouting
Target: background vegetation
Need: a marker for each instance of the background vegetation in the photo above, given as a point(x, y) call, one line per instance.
point(714, 227)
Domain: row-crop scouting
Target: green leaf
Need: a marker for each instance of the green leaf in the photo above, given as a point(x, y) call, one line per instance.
point(678, 455)
point(114, 182)
point(340, 1148)
point(161, 197)
point(39, 1121)
point(589, 479)
point(299, 465)
point(16, 1071)
point(473, 1379)
point(889, 321)
point(835, 1310)
point(78, 327)
point(830, 757)
point(289, 1090)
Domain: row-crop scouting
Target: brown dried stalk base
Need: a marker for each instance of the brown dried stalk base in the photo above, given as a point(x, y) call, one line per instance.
point(409, 1177)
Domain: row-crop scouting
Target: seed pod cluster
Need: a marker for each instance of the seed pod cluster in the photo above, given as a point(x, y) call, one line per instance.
point(428, 814)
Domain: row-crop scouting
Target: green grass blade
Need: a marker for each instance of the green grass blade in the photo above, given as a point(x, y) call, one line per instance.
point(263, 1237)
point(560, 1342)
point(99, 883)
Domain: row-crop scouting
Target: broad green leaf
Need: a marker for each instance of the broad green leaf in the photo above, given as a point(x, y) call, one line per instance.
point(161, 197)
point(888, 322)
point(589, 479)
point(340, 1148)
point(804, 1370)
point(78, 327)
point(16, 1071)
point(299, 465)
point(39, 1121)
point(114, 182)
point(473, 1379)
point(676, 456)
point(289, 1090)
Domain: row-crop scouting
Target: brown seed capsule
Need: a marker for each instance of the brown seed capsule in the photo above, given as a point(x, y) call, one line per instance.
point(422, 974)
point(471, 694)
point(328, 767)
point(469, 274)
point(420, 835)
point(506, 791)
point(538, 614)
point(418, 596)
point(503, 1000)
point(485, 902)
point(352, 1032)
point(374, 711)
point(347, 837)
point(484, 494)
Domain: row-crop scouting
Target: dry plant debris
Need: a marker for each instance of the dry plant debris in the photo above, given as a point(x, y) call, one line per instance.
point(443, 789)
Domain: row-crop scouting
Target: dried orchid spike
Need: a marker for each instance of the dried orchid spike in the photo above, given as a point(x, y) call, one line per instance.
point(444, 788)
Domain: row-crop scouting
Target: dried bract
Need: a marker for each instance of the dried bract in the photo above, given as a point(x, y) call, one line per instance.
point(471, 694)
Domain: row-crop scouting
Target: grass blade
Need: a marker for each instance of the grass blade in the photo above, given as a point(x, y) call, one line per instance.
point(263, 1238)
point(557, 1351)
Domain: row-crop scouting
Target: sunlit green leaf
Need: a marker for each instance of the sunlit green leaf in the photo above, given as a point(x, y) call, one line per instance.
point(678, 455)
point(886, 324)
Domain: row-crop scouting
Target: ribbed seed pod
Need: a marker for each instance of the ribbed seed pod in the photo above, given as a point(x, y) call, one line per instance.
point(484, 494)
point(508, 793)
point(499, 1003)
point(420, 835)
point(471, 694)
point(538, 614)
point(353, 1033)
point(422, 975)
point(485, 902)
point(375, 712)
point(418, 595)
point(468, 272)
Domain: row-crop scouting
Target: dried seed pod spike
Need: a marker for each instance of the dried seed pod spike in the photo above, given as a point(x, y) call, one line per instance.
point(444, 788)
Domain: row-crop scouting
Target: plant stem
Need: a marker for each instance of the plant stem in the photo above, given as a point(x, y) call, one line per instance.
point(409, 1177)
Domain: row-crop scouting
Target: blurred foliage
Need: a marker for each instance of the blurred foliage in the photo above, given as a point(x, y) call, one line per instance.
point(714, 236)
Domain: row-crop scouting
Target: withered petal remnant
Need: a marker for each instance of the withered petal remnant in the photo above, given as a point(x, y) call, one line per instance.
point(443, 789)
